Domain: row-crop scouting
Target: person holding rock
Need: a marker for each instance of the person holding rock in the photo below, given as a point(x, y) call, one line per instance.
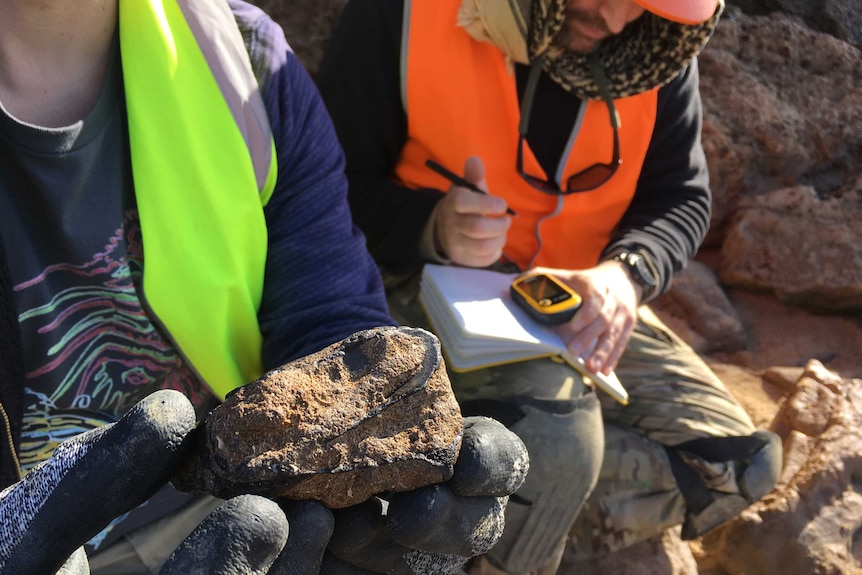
point(173, 225)
point(580, 120)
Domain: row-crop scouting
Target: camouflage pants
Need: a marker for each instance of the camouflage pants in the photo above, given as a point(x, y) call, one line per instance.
point(674, 397)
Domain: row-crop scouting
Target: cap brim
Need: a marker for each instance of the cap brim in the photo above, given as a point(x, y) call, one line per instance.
point(681, 11)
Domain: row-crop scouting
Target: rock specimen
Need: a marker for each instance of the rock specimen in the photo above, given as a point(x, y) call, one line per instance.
point(372, 413)
point(811, 524)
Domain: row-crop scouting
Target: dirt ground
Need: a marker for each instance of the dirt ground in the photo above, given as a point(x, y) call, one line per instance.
point(785, 336)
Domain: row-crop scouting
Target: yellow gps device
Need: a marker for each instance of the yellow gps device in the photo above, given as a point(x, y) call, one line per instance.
point(545, 298)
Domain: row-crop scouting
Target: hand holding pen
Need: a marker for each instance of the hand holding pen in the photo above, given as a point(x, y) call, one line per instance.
point(459, 181)
point(469, 226)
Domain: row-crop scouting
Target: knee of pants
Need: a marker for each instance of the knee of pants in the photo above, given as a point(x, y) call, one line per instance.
point(565, 442)
point(764, 468)
point(720, 476)
point(756, 460)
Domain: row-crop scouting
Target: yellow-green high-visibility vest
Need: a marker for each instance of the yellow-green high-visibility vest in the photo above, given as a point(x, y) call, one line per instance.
point(203, 163)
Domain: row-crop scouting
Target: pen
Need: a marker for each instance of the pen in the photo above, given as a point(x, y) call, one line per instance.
point(459, 181)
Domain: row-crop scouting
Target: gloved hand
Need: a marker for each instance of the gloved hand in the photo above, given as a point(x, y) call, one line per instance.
point(436, 529)
point(99, 475)
point(429, 531)
point(91, 479)
point(47, 517)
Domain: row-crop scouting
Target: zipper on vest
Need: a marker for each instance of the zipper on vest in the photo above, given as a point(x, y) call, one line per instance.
point(570, 144)
point(7, 424)
point(558, 177)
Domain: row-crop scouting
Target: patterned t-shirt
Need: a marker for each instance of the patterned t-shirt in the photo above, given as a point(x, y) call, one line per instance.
point(91, 351)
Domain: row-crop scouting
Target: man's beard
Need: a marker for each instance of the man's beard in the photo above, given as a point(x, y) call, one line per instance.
point(571, 39)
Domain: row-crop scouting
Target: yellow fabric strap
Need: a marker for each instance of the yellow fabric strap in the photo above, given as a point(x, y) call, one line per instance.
point(204, 233)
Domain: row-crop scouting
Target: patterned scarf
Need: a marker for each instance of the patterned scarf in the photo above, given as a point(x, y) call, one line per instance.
point(648, 53)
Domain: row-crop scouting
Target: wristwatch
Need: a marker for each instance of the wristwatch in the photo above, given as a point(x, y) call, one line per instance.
point(640, 271)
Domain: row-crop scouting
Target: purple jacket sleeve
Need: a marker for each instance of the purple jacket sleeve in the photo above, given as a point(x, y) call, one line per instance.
point(321, 284)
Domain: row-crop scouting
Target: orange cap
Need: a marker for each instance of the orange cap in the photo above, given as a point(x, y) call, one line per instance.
point(681, 11)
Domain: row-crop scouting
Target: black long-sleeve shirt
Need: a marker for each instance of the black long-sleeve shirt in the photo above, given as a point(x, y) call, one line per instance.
point(360, 83)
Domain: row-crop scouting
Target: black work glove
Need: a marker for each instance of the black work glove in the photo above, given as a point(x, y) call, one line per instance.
point(436, 529)
point(91, 479)
point(46, 518)
point(433, 530)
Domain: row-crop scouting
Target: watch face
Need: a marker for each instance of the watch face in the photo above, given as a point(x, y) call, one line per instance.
point(638, 268)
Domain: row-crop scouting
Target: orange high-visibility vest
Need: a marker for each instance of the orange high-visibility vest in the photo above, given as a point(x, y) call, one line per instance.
point(462, 100)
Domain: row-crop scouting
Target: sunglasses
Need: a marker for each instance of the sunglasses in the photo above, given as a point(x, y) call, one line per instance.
point(589, 178)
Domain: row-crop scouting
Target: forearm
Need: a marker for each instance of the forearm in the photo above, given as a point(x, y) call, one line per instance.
point(669, 238)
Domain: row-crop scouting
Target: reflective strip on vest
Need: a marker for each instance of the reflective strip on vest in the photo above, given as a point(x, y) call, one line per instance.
point(203, 166)
point(463, 101)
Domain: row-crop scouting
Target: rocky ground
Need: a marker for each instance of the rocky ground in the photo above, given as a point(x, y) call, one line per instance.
point(778, 282)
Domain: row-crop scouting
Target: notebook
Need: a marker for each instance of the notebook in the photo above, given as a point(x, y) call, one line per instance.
point(479, 325)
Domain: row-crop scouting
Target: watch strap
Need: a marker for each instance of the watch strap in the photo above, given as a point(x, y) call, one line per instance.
point(640, 270)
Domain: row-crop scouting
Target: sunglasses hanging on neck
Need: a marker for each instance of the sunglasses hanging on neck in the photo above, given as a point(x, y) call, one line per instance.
point(589, 178)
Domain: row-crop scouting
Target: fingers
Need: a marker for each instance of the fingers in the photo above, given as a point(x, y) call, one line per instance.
point(332, 565)
point(435, 519)
point(244, 535)
point(600, 330)
point(361, 540)
point(603, 337)
point(471, 228)
point(465, 516)
point(248, 535)
point(311, 526)
point(435, 529)
point(493, 461)
point(424, 532)
point(474, 172)
point(90, 480)
point(426, 563)
point(609, 350)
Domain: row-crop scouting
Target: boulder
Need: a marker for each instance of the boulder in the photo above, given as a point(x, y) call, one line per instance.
point(840, 18)
point(781, 108)
point(811, 523)
point(697, 309)
point(663, 554)
point(805, 249)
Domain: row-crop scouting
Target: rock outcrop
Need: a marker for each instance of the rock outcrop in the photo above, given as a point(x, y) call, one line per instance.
point(782, 108)
point(811, 524)
point(798, 246)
